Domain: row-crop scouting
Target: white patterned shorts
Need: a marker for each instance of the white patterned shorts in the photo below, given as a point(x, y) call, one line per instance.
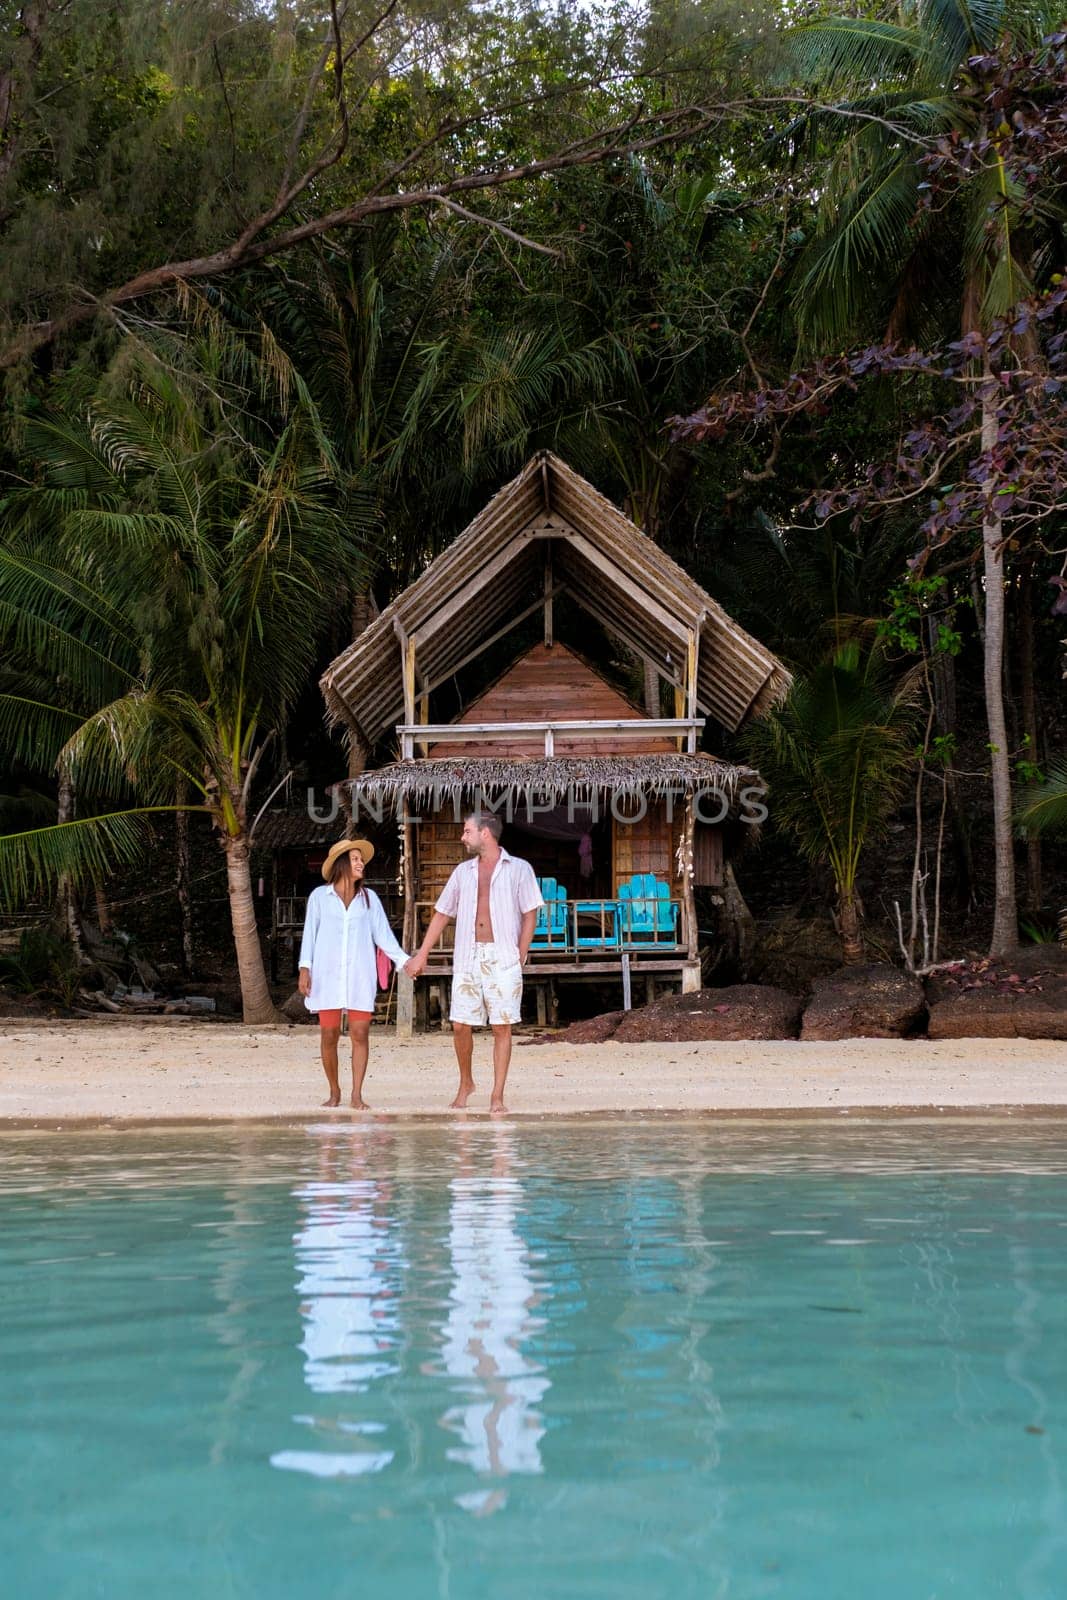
point(490, 991)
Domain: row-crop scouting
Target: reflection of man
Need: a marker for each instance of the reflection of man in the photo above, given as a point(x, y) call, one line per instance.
point(498, 1427)
point(494, 899)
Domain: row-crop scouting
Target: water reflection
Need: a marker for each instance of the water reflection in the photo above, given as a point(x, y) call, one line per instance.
point(491, 1313)
point(350, 1263)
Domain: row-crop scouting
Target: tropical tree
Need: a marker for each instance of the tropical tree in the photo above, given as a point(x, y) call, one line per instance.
point(836, 754)
point(896, 84)
point(171, 571)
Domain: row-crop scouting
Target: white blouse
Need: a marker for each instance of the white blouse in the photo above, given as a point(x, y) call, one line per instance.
point(338, 945)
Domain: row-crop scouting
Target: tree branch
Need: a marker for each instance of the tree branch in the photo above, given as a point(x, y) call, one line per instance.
point(652, 130)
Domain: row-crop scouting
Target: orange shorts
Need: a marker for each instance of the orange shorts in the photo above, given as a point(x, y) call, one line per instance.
point(332, 1019)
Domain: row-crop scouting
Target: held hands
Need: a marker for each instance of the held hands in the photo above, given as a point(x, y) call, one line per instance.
point(304, 982)
point(415, 965)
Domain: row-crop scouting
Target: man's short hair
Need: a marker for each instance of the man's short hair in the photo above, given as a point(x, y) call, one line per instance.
point(487, 819)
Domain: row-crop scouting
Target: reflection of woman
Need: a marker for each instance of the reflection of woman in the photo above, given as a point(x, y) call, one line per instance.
point(344, 929)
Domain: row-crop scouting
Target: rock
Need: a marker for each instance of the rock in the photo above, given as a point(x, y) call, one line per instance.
point(295, 1009)
point(874, 1001)
point(591, 1030)
point(991, 1016)
point(1024, 997)
point(793, 951)
point(740, 1011)
point(191, 1005)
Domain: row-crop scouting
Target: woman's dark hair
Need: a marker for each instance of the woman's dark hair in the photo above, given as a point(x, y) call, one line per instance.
point(342, 868)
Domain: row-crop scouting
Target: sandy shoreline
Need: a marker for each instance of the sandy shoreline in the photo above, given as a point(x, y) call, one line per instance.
point(59, 1073)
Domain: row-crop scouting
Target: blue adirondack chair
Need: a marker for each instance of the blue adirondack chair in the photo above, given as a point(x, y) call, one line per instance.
point(550, 929)
point(648, 914)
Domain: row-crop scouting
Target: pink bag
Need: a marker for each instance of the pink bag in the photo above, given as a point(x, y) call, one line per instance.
point(385, 969)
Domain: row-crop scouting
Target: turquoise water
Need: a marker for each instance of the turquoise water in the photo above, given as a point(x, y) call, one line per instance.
point(586, 1360)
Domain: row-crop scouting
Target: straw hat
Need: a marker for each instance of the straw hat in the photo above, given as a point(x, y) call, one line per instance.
point(342, 847)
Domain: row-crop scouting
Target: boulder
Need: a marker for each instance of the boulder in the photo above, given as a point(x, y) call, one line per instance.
point(740, 1011)
point(874, 1001)
point(295, 1009)
point(591, 1031)
point(1024, 998)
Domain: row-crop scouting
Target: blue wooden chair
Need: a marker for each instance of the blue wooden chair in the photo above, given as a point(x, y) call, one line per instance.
point(550, 929)
point(649, 916)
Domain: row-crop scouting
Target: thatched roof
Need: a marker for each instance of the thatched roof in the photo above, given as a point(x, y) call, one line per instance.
point(548, 781)
point(293, 830)
point(496, 567)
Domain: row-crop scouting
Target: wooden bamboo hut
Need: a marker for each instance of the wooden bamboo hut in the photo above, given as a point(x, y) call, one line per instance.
point(620, 812)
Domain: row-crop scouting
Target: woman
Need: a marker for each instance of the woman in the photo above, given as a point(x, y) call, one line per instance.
point(344, 929)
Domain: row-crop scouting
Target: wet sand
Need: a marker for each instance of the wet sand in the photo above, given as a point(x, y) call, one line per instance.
point(56, 1073)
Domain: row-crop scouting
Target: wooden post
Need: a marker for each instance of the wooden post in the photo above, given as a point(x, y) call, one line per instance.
point(627, 1002)
point(424, 718)
point(549, 591)
point(405, 986)
point(689, 903)
point(405, 1006)
point(692, 663)
point(407, 663)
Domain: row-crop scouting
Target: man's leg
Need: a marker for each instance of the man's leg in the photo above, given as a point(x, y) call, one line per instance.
point(359, 1031)
point(463, 1040)
point(328, 1038)
point(501, 1063)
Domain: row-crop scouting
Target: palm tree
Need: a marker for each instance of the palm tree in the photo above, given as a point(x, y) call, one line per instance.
point(172, 572)
point(877, 260)
point(836, 753)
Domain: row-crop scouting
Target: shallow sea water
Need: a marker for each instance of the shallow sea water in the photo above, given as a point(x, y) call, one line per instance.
point(598, 1359)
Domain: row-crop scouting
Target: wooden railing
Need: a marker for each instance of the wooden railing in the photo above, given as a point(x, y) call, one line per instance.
point(685, 729)
point(587, 928)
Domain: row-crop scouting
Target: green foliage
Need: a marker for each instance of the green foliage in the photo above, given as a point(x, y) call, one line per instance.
point(1044, 809)
point(43, 964)
point(911, 603)
point(887, 87)
point(180, 553)
point(836, 754)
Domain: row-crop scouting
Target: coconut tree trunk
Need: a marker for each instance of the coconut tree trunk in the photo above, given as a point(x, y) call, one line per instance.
point(1005, 936)
point(256, 1002)
point(103, 909)
point(848, 918)
point(66, 907)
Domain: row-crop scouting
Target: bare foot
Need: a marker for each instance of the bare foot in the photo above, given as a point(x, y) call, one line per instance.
point(359, 1104)
point(334, 1100)
point(497, 1108)
point(463, 1095)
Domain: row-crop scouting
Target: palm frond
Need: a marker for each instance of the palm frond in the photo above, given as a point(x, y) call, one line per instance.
point(851, 50)
point(32, 863)
point(1044, 810)
point(34, 732)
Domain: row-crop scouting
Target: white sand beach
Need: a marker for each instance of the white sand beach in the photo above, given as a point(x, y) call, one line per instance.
point(56, 1073)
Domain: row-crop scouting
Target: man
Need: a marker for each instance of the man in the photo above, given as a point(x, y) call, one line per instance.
point(494, 900)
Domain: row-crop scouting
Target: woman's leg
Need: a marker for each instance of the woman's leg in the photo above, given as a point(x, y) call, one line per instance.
point(329, 1033)
point(359, 1031)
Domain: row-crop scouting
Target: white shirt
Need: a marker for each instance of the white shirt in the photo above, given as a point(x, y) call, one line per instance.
point(338, 945)
point(513, 890)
